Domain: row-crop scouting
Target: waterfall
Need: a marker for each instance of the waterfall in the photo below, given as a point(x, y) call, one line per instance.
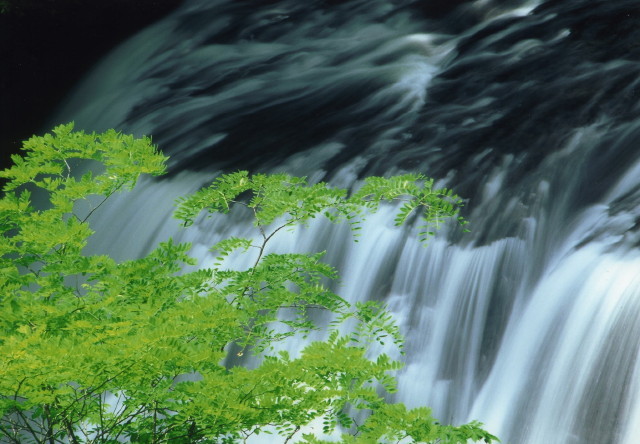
point(529, 109)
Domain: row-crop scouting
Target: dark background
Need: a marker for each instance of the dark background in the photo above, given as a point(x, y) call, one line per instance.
point(46, 46)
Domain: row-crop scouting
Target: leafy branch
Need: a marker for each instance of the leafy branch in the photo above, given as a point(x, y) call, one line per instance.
point(76, 328)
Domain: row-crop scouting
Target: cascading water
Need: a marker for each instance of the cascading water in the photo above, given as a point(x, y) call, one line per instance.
point(530, 109)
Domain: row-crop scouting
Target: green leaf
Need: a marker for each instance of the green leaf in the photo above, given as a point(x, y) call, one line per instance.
point(165, 342)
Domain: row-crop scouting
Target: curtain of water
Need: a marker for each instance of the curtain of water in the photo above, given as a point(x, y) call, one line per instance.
point(530, 323)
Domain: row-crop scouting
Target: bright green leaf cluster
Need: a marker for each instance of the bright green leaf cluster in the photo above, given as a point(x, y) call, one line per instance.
point(292, 201)
point(93, 350)
point(395, 423)
point(417, 193)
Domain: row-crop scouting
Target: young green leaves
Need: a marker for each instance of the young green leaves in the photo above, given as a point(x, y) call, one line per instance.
point(417, 197)
point(146, 350)
point(55, 163)
point(291, 200)
point(49, 162)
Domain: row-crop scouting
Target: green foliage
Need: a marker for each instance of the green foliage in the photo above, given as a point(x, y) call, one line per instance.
point(292, 201)
point(99, 351)
point(394, 423)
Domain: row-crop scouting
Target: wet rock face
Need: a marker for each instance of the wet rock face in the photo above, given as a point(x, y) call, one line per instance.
point(47, 45)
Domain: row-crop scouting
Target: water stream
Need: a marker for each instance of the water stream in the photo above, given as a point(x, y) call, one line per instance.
point(529, 109)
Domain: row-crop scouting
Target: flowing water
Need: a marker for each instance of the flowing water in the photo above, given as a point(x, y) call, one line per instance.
point(529, 109)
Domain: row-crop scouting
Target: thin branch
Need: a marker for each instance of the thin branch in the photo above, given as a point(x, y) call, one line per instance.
point(101, 414)
point(70, 431)
point(94, 390)
point(291, 435)
point(129, 420)
point(68, 167)
point(103, 201)
point(288, 224)
point(15, 395)
point(25, 420)
point(10, 436)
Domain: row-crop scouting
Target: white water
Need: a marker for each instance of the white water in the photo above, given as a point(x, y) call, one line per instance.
point(530, 324)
